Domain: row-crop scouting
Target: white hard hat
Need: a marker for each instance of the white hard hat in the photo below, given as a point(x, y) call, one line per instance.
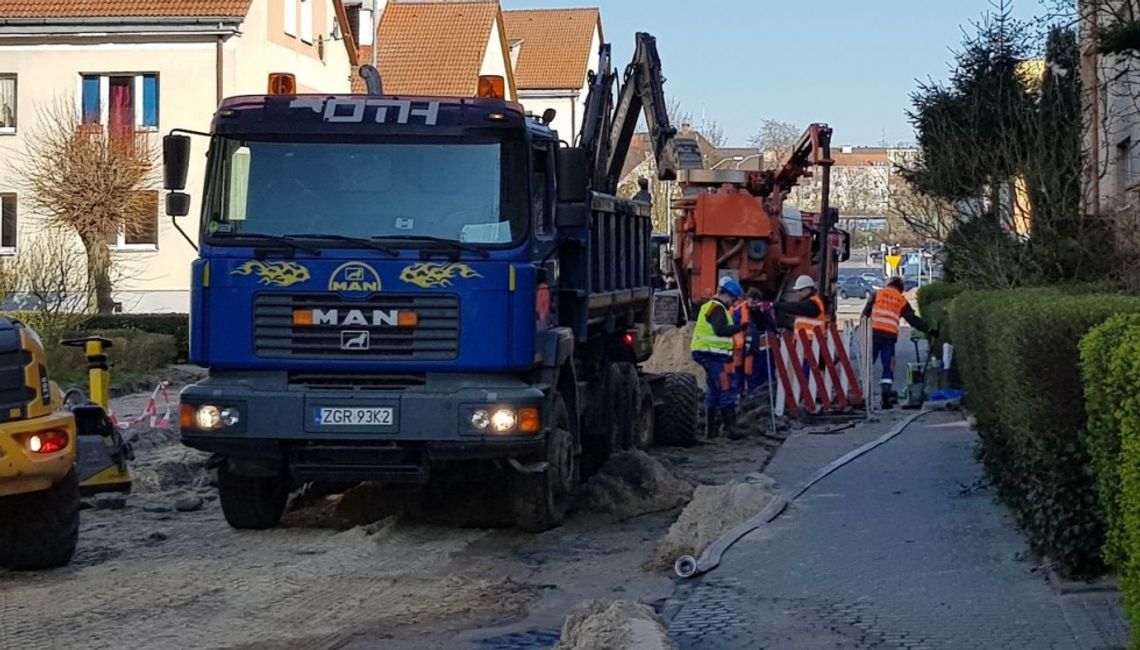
point(804, 282)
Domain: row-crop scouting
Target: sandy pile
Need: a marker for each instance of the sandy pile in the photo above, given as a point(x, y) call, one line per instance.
point(169, 468)
point(620, 625)
point(671, 353)
point(632, 483)
point(714, 510)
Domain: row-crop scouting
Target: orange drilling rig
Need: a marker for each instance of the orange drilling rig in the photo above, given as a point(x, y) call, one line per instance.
point(734, 223)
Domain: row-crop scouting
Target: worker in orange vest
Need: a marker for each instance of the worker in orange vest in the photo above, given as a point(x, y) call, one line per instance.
point(884, 309)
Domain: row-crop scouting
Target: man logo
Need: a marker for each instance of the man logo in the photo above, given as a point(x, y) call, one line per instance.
point(355, 340)
point(355, 278)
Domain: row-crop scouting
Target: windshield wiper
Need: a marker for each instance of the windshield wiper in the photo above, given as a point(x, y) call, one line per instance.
point(367, 243)
point(449, 243)
point(277, 239)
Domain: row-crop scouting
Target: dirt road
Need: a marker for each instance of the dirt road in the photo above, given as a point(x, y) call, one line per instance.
point(165, 571)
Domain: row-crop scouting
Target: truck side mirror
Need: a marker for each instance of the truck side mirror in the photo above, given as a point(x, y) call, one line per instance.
point(177, 204)
point(175, 161)
point(573, 175)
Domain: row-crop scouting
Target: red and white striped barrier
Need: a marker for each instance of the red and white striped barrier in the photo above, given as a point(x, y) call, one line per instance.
point(814, 373)
point(160, 423)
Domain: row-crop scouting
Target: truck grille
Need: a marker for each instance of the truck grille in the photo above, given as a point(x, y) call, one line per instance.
point(434, 338)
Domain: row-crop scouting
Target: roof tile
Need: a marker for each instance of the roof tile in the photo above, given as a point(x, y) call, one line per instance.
point(122, 8)
point(556, 48)
point(432, 48)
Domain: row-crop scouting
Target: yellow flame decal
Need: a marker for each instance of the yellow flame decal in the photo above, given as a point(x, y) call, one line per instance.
point(279, 274)
point(433, 275)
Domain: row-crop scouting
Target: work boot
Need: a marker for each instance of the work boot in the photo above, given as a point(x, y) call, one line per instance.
point(712, 419)
point(888, 396)
point(735, 432)
point(728, 416)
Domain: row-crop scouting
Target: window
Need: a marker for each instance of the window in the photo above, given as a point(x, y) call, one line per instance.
point(120, 101)
point(543, 222)
point(289, 9)
point(7, 223)
point(307, 21)
point(144, 235)
point(7, 103)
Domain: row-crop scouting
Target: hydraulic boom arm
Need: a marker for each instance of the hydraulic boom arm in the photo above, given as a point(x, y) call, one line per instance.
point(607, 129)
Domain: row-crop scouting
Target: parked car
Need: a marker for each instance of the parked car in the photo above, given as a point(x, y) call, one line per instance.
point(910, 284)
point(874, 279)
point(854, 287)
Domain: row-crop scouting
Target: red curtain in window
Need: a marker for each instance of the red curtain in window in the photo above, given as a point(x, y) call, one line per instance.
point(121, 120)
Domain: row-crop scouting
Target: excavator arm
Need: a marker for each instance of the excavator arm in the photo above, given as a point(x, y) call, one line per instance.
point(608, 128)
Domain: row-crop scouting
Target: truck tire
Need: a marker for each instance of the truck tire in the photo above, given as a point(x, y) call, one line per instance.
point(607, 428)
point(540, 500)
point(39, 530)
point(677, 416)
point(644, 434)
point(252, 502)
point(628, 405)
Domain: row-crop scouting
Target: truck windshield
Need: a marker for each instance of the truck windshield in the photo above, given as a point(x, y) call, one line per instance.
point(455, 191)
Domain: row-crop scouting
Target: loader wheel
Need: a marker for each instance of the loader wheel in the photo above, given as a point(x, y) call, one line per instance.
point(252, 502)
point(540, 500)
point(39, 530)
point(677, 416)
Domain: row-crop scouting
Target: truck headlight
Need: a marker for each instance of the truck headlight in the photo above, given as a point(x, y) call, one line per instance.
point(503, 420)
point(481, 420)
point(208, 417)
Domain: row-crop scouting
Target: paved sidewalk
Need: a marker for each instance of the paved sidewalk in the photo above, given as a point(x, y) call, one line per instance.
point(899, 549)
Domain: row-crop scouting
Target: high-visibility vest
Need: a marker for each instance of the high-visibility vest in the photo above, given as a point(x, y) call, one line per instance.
point(809, 324)
point(887, 310)
point(705, 338)
point(741, 341)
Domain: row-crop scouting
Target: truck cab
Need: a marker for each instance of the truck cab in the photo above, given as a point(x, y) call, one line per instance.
point(388, 287)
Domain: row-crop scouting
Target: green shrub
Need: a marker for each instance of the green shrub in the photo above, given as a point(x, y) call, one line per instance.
point(176, 325)
point(1124, 372)
point(1103, 388)
point(132, 352)
point(936, 292)
point(1019, 357)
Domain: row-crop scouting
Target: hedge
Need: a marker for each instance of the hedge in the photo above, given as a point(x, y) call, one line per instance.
point(176, 325)
point(934, 302)
point(56, 326)
point(1111, 371)
point(1019, 358)
point(132, 352)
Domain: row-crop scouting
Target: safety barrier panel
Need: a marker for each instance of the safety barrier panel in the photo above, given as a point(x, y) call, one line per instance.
point(814, 372)
point(157, 422)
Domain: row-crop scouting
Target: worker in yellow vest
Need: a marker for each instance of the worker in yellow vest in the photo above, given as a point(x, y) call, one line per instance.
point(884, 309)
point(712, 347)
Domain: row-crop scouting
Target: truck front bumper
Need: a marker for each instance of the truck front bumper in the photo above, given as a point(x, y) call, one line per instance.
point(271, 425)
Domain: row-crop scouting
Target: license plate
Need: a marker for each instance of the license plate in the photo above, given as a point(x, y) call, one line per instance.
point(348, 417)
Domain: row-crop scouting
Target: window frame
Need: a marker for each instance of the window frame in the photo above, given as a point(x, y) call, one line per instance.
point(11, 130)
point(121, 245)
point(289, 12)
point(138, 98)
point(306, 30)
point(15, 199)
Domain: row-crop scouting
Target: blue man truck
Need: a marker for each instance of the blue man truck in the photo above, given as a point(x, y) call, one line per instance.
point(396, 288)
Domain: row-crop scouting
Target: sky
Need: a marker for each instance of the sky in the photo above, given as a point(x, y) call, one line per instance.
point(849, 63)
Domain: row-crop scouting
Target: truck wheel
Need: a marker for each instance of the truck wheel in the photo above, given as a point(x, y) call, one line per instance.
point(629, 404)
point(605, 436)
point(252, 502)
point(643, 433)
point(677, 417)
point(541, 499)
point(39, 530)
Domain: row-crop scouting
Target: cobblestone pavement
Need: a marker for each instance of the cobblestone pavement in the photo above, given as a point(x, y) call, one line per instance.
point(903, 548)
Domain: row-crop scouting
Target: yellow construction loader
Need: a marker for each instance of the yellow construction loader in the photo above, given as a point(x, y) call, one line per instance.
point(52, 447)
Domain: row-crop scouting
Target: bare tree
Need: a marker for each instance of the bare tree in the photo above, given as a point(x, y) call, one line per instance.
point(775, 138)
point(50, 283)
point(92, 181)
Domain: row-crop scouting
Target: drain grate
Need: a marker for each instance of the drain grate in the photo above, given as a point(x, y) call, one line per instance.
point(529, 640)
